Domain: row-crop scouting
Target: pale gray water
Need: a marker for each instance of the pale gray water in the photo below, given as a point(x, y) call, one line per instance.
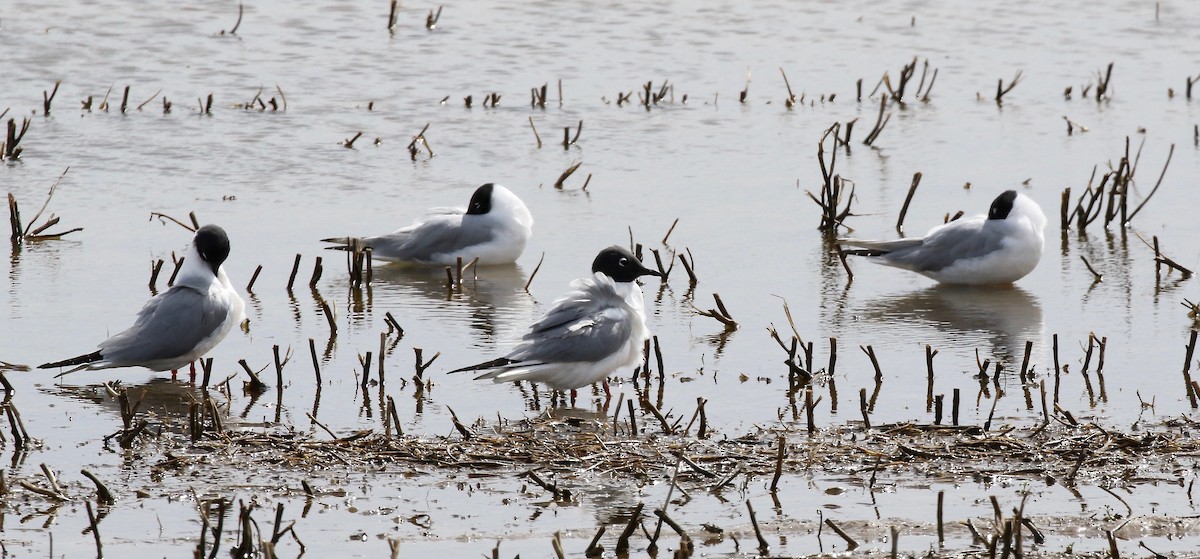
point(728, 171)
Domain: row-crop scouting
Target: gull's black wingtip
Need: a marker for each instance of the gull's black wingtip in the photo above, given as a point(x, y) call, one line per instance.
point(488, 365)
point(81, 360)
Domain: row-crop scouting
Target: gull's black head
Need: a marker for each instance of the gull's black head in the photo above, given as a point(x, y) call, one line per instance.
point(481, 201)
point(620, 265)
point(213, 245)
point(1002, 205)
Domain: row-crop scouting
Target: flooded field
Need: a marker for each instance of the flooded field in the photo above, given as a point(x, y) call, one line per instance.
point(297, 126)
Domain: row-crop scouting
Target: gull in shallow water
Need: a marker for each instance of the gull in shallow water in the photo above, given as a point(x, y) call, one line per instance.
point(998, 248)
point(494, 227)
point(180, 325)
point(595, 329)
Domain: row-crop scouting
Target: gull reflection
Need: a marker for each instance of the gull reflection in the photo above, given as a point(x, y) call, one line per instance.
point(1000, 318)
point(493, 297)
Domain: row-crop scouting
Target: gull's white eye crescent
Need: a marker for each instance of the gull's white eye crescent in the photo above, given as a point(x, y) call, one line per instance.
point(623, 261)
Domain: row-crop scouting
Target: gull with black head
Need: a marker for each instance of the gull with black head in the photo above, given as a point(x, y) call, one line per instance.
point(180, 325)
point(595, 329)
point(998, 248)
point(494, 227)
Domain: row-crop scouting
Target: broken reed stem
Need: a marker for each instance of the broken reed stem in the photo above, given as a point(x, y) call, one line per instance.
point(907, 199)
point(316, 275)
point(623, 540)
point(1187, 366)
point(292, 277)
point(763, 546)
point(687, 267)
point(329, 318)
point(778, 463)
point(175, 272)
point(930, 353)
point(462, 429)
point(851, 545)
point(862, 406)
point(940, 528)
point(535, 133)
point(535, 271)
point(312, 350)
point(253, 278)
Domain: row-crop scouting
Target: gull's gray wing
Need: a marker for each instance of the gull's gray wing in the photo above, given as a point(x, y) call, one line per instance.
point(169, 326)
point(442, 233)
point(587, 325)
point(943, 246)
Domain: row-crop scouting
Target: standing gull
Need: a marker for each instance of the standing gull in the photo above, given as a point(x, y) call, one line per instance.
point(181, 324)
point(595, 329)
point(998, 248)
point(494, 227)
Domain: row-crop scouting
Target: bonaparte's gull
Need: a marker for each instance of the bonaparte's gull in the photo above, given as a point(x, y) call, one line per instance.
point(998, 248)
point(597, 328)
point(180, 325)
point(494, 227)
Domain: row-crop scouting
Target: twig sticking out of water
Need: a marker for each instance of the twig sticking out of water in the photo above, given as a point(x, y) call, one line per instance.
point(254, 385)
point(833, 187)
point(1126, 220)
point(325, 308)
point(348, 143)
point(9, 148)
point(1001, 91)
point(721, 314)
point(249, 286)
point(431, 20)
point(238, 23)
point(791, 97)
point(880, 122)
point(47, 98)
point(125, 101)
point(34, 231)
point(1187, 370)
point(930, 353)
point(851, 545)
point(175, 272)
point(1161, 259)
point(292, 277)
point(1072, 125)
point(413, 150)
point(1103, 79)
point(535, 132)
point(634, 518)
point(1190, 82)
point(688, 266)
point(763, 546)
point(666, 273)
point(147, 101)
point(462, 429)
point(558, 184)
point(568, 141)
point(316, 275)
point(907, 199)
point(779, 454)
point(745, 91)
point(393, 13)
point(103, 495)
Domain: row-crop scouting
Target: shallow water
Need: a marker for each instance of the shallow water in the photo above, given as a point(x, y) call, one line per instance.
point(734, 174)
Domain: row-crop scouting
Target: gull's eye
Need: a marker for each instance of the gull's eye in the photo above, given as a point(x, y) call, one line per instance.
point(623, 261)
